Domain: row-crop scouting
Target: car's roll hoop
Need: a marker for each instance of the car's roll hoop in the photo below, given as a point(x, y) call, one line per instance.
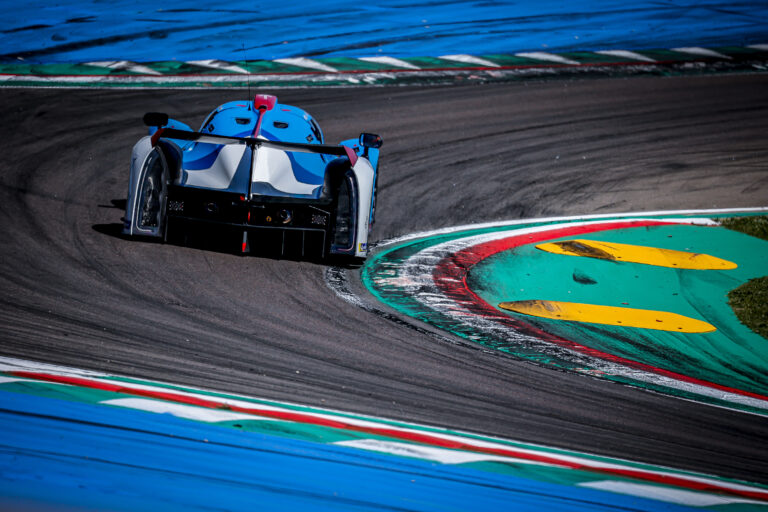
point(264, 102)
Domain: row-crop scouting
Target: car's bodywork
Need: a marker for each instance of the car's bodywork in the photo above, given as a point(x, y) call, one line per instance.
point(258, 169)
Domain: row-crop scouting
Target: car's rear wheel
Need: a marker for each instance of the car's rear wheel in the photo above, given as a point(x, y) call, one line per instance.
point(343, 218)
point(153, 195)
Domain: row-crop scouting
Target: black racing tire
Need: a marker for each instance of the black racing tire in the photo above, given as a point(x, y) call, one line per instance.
point(153, 193)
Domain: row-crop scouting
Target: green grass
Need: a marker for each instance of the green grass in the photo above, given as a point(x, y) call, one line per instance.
point(753, 225)
point(750, 300)
point(750, 303)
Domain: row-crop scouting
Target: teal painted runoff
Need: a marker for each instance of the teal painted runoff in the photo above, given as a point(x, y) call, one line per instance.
point(733, 356)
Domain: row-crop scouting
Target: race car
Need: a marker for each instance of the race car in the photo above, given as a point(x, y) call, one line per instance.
point(259, 171)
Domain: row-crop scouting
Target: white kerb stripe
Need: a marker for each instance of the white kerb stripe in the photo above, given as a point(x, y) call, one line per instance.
point(470, 59)
point(679, 496)
point(189, 412)
point(763, 47)
point(389, 61)
point(551, 57)
point(546, 56)
point(418, 269)
point(442, 455)
point(304, 62)
point(704, 52)
point(218, 64)
point(626, 54)
point(124, 65)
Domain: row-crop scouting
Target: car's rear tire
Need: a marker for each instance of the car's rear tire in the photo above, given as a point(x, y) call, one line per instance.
point(153, 195)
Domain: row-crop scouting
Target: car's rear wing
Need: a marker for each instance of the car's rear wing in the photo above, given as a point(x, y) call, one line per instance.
point(158, 120)
point(210, 138)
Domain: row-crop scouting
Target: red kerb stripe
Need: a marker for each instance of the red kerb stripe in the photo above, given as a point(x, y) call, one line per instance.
point(416, 437)
point(450, 276)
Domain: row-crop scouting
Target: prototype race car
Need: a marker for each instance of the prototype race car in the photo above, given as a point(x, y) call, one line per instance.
point(258, 170)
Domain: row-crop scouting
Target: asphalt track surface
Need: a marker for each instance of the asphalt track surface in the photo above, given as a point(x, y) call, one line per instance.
point(74, 292)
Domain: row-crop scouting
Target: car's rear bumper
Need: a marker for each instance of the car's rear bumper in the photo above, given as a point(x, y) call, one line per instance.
point(300, 228)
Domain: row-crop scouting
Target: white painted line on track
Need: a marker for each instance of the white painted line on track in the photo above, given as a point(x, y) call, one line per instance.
point(761, 47)
point(304, 62)
point(442, 455)
point(390, 61)
point(124, 65)
point(704, 52)
point(11, 364)
point(670, 495)
point(625, 54)
point(550, 57)
point(218, 64)
point(189, 412)
point(470, 59)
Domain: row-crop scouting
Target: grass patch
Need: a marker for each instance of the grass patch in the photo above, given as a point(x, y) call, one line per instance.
point(750, 300)
point(750, 303)
point(752, 225)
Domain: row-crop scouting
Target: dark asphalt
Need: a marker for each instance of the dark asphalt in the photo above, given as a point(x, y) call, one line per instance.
point(73, 292)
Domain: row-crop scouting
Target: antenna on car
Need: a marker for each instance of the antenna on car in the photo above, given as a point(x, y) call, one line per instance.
point(247, 75)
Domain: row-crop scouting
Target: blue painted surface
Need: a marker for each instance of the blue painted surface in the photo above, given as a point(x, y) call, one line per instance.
point(297, 127)
point(58, 454)
point(81, 31)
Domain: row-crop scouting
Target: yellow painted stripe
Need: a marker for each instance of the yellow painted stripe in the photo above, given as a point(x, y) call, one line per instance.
point(608, 315)
point(637, 254)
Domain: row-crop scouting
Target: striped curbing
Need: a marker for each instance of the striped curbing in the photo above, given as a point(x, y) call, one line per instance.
point(382, 70)
point(427, 276)
point(510, 464)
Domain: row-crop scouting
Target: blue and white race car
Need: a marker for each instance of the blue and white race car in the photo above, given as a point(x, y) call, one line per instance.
point(259, 170)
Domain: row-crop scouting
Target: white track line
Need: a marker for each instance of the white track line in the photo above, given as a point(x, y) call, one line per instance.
point(390, 61)
point(218, 64)
point(189, 412)
point(442, 455)
point(124, 65)
point(625, 54)
point(304, 62)
point(470, 59)
point(551, 57)
point(704, 52)
point(655, 492)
